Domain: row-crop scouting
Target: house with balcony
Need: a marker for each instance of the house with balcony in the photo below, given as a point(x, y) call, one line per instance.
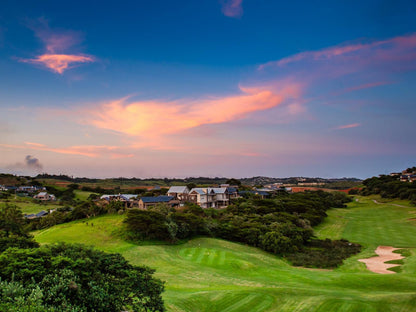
point(180, 193)
point(204, 197)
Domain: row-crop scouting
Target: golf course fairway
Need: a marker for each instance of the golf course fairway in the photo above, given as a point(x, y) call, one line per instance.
point(207, 274)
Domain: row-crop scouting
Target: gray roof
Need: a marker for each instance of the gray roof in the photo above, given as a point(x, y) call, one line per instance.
point(179, 189)
point(219, 190)
point(203, 191)
point(128, 196)
point(42, 194)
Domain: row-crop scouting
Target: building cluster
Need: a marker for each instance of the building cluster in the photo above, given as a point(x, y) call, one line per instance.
point(205, 197)
point(405, 175)
point(22, 189)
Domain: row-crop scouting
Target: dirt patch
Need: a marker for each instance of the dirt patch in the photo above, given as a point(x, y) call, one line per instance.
point(377, 264)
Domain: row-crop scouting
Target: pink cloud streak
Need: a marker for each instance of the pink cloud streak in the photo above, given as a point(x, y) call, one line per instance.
point(354, 125)
point(84, 150)
point(385, 49)
point(58, 63)
point(232, 8)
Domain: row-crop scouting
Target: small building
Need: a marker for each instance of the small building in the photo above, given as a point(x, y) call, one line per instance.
point(129, 200)
point(44, 196)
point(146, 202)
point(36, 215)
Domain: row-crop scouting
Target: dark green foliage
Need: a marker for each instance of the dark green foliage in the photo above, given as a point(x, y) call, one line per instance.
point(390, 187)
point(323, 253)
point(11, 221)
point(147, 224)
point(81, 278)
point(17, 242)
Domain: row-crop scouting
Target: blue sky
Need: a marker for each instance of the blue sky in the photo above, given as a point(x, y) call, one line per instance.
point(208, 87)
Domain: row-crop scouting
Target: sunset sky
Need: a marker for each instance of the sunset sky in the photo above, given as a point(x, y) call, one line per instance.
point(227, 88)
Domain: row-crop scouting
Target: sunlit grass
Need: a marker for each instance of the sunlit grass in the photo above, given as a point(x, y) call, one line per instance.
point(207, 274)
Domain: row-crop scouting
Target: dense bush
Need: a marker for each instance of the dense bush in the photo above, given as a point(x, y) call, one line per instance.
point(323, 253)
point(77, 278)
point(390, 187)
point(68, 277)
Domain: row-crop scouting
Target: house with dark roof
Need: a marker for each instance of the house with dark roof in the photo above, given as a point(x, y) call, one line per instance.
point(146, 202)
point(36, 215)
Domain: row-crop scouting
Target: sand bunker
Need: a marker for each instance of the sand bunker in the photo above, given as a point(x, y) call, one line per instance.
point(377, 264)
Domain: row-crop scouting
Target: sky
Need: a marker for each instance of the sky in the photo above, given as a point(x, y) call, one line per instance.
point(217, 88)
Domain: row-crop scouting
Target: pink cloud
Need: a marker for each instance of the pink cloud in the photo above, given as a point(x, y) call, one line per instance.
point(368, 85)
point(232, 8)
point(354, 125)
point(84, 150)
point(159, 118)
point(57, 44)
point(59, 62)
point(389, 49)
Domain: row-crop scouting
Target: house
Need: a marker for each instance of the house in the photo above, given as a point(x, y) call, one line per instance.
point(30, 189)
point(221, 197)
point(232, 192)
point(128, 199)
point(204, 197)
point(180, 193)
point(262, 194)
point(146, 202)
point(36, 215)
point(44, 196)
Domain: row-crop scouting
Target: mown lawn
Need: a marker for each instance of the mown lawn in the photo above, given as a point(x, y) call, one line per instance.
point(28, 206)
point(207, 274)
point(82, 195)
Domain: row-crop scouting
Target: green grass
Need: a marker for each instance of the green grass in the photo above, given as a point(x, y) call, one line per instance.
point(82, 195)
point(207, 274)
point(28, 206)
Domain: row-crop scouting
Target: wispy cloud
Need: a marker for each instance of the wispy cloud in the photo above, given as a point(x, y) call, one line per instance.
point(157, 118)
point(83, 150)
point(57, 45)
point(354, 125)
point(368, 85)
point(58, 63)
point(232, 8)
point(397, 48)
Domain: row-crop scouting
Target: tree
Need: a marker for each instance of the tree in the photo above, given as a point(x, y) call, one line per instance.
point(12, 221)
point(233, 181)
point(78, 278)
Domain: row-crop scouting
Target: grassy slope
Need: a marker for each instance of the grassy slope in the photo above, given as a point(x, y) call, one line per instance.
point(208, 274)
point(82, 195)
point(28, 206)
